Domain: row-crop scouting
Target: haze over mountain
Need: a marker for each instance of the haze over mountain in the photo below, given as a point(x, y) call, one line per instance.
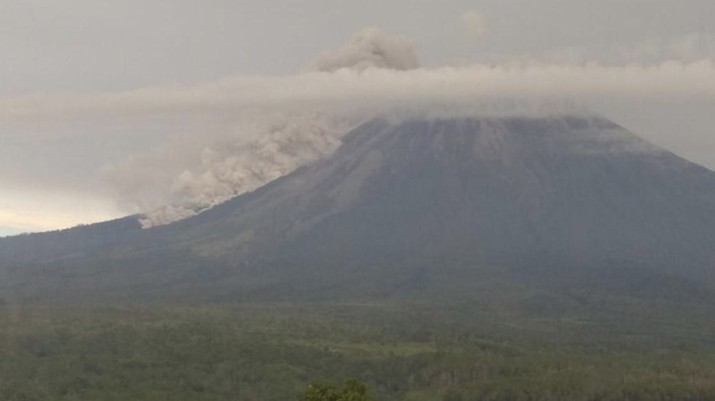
point(404, 205)
point(172, 148)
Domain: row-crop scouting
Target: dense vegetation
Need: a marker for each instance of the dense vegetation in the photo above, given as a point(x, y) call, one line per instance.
point(402, 351)
point(352, 390)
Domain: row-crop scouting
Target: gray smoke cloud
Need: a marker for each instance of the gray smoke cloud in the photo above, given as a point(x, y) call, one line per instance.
point(242, 132)
point(370, 48)
point(260, 150)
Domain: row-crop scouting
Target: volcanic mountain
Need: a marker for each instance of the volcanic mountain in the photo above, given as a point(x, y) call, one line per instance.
point(407, 206)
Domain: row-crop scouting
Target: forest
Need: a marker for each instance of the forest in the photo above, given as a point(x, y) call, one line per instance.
point(399, 350)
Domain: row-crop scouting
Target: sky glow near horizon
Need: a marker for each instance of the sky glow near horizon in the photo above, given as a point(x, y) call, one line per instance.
point(105, 107)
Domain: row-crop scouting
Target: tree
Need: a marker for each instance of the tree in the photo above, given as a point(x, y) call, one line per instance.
point(352, 390)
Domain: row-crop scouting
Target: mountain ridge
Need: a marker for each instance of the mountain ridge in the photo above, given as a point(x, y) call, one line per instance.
point(408, 198)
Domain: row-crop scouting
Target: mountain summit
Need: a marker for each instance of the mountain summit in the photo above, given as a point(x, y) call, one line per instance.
point(405, 201)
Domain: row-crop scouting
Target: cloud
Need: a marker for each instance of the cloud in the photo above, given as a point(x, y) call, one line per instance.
point(475, 25)
point(370, 48)
point(377, 88)
point(685, 48)
point(238, 133)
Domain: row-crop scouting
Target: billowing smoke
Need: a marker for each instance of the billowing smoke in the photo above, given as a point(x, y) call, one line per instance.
point(235, 164)
point(370, 48)
point(242, 132)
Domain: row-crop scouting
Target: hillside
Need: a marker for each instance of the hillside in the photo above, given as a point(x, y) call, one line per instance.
point(412, 206)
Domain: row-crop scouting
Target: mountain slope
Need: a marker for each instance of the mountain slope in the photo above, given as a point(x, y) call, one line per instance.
point(578, 190)
point(420, 205)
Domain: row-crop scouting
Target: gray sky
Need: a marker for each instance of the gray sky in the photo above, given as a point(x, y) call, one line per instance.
point(59, 166)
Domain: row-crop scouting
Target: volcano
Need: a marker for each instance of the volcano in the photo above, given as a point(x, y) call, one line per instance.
point(409, 205)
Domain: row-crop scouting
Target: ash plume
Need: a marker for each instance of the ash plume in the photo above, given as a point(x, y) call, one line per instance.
point(234, 165)
point(370, 48)
point(236, 134)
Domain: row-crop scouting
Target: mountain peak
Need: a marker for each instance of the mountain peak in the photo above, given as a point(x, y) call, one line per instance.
point(563, 188)
point(408, 197)
point(480, 136)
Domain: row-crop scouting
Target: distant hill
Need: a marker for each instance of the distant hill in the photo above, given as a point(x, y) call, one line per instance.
point(409, 207)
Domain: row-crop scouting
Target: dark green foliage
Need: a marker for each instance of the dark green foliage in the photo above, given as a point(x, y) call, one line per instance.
point(352, 390)
point(400, 351)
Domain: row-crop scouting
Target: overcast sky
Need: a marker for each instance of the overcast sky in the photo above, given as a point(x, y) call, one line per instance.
point(58, 164)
